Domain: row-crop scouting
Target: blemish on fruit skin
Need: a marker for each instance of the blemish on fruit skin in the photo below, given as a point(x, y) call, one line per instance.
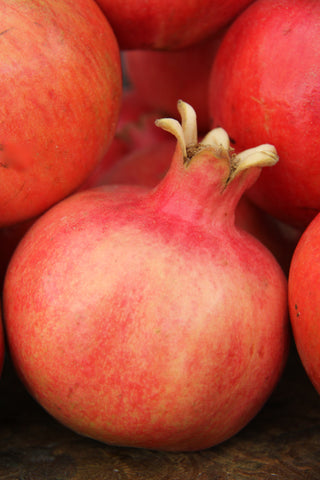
point(265, 112)
point(5, 31)
point(286, 31)
point(3, 162)
point(296, 308)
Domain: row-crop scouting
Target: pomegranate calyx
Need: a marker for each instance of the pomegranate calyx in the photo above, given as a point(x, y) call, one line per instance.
point(186, 134)
point(217, 140)
point(262, 156)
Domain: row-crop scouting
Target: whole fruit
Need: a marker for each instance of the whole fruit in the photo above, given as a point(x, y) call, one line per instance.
point(304, 299)
point(60, 93)
point(154, 24)
point(145, 317)
point(265, 85)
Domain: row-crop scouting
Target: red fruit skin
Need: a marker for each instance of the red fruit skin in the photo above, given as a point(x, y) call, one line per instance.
point(265, 87)
point(60, 84)
point(143, 166)
point(121, 331)
point(136, 136)
point(304, 300)
point(161, 78)
point(132, 109)
point(160, 25)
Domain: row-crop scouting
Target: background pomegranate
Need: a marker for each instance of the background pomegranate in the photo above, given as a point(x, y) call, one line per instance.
point(155, 24)
point(161, 78)
point(265, 86)
point(144, 317)
point(135, 138)
point(304, 299)
point(60, 93)
point(146, 165)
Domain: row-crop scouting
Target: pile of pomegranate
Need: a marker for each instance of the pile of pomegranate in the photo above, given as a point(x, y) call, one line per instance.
point(159, 211)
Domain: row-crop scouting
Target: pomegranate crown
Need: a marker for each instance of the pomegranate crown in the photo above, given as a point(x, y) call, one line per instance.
point(217, 139)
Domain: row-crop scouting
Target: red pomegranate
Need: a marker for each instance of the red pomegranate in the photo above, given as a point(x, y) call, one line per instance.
point(265, 87)
point(304, 299)
point(144, 317)
point(136, 135)
point(163, 25)
point(161, 78)
point(60, 84)
point(143, 166)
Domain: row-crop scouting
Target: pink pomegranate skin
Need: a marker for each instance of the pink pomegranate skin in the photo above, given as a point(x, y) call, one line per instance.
point(60, 84)
point(153, 24)
point(145, 318)
point(265, 87)
point(139, 157)
point(304, 300)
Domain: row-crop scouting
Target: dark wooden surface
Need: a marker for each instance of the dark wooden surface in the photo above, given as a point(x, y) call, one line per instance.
point(281, 443)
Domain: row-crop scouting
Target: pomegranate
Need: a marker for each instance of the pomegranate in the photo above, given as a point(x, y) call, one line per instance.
point(132, 109)
point(143, 166)
point(60, 84)
point(163, 25)
point(144, 317)
point(160, 78)
point(304, 299)
point(135, 136)
point(265, 85)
